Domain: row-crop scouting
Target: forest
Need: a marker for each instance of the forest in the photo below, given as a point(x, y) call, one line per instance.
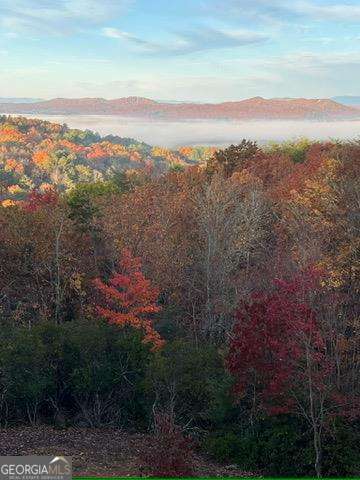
point(207, 297)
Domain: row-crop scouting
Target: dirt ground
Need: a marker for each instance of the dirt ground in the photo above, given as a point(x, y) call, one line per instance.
point(95, 452)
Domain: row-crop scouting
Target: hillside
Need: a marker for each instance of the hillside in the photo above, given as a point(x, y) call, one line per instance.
point(253, 108)
point(36, 154)
point(181, 324)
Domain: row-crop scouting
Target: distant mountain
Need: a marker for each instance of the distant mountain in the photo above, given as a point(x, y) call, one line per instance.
point(253, 108)
point(19, 100)
point(348, 100)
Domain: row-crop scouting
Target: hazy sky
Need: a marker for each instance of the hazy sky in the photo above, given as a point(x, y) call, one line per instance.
point(204, 50)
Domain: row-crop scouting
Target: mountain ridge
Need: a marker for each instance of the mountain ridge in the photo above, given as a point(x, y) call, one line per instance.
point(133, 106)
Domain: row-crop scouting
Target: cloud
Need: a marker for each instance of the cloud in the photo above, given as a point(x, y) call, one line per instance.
point(192, 41)
point(283, 11)
point(118, 34)
point(303, 74)
point(38, 17)
point(312, 74)
point(336, 12)
point(308, 63)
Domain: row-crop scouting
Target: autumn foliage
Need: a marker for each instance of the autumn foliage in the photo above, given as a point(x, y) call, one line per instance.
point(272, 337)
point(37, 153)
point(130, 299)
point(252, 252)
point(37, 200)
point(170, 453)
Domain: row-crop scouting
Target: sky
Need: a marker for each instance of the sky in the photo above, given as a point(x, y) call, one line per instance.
point(179, 50)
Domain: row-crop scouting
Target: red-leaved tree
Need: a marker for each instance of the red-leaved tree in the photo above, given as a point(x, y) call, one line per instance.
point(36, 200)
point(280, 360)
point(130, 299)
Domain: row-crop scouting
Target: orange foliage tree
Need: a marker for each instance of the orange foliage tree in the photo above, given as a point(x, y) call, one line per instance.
point(130, 299)
point(41, 158)
point(9, 134)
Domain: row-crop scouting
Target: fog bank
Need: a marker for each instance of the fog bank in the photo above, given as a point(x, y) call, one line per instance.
point(203, 132)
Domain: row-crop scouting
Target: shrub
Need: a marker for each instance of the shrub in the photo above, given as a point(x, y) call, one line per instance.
point(105, 367)
point(224, 446)
point(170, 453)
point(87, 371)
point(341, 450)
point(188, 380)
point(273, 446)
point(26, 378)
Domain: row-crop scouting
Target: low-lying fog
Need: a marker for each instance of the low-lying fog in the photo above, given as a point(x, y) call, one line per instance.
point(204, 132)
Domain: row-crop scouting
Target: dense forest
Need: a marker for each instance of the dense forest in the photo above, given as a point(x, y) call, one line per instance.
point(38, 155)
point(209, 297)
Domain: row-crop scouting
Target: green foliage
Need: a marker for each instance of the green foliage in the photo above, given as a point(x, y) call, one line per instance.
point(223, 446)
point(129, 143)
point(201, 154)
point(272, 446)
point(26, 378)
point(89, 371)
point(82, 137)
point(341, 450)
point(280, 446)
point(176, 167)
point(188, 378)
point(105, 367)
point(82, 199)
point(295, 149)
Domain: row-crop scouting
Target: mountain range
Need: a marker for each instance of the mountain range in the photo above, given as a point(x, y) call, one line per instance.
point(256, 108)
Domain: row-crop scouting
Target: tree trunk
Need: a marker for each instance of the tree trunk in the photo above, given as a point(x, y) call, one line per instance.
point(318, 453)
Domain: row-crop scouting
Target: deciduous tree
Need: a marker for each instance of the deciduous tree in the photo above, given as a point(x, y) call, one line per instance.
point(130, 299)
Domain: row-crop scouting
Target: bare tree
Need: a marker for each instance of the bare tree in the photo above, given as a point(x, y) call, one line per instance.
point(233, 230)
